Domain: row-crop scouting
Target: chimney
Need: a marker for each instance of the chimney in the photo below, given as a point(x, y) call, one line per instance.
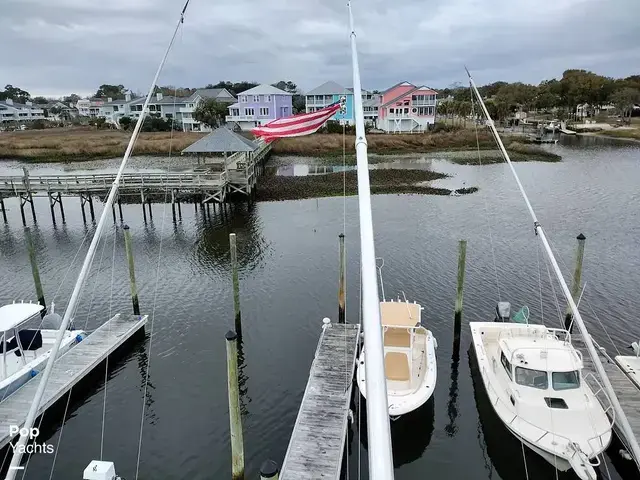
point(109, 100)
point(29, 103)
point(127, 97)
point(159, 96)
point(9, 101)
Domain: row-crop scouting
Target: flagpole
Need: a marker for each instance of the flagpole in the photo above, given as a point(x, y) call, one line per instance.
point(378, 429)
point(621, 418)
point(75, 295)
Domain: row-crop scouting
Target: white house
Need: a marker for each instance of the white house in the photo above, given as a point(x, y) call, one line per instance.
point(11, 111)
point(90, 107)
point(189, 124)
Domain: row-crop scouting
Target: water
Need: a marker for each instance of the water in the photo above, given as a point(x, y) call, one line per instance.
point(288, 254)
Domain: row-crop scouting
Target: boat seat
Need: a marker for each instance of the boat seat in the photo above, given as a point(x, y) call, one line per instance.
point(396, 366)
point(29, 339)
point(397, 337)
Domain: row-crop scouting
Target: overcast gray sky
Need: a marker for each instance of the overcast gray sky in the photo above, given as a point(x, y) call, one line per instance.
point(56, 47)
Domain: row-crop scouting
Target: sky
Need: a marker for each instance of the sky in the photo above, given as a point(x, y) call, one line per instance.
point(58, 47)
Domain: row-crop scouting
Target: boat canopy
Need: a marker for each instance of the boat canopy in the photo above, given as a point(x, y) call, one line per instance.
point(400, 314)
point(541, 354)
point(16, 313)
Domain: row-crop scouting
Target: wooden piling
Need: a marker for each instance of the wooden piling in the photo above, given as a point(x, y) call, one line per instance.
point(342, 283)
point(235, 419)
point(93, 215)
point(4, 210)
point(575, 287)
point(132, 273)
point(236, 282)
point(35, 271)
point(462, 258)
point(119, 208)
point(84, 215)
point(52, 204)
point(269, 470)
point(61, 207)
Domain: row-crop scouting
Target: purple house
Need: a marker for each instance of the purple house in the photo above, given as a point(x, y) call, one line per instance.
point(260, 105)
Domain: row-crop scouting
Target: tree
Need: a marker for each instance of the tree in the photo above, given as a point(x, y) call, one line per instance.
point(100, 122)
point(287, 86)
point(111, 91)
point(625, 99)
point(14, 93)
point(234, 88)
point(125, 122)
point(39, 100)
point(71, 99)
point(211, 112)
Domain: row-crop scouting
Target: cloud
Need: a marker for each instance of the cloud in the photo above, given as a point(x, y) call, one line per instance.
point(69, 46)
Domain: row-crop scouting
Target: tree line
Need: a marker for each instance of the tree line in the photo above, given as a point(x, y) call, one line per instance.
point(576, 87)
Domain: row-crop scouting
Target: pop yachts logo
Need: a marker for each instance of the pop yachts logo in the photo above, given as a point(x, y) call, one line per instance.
point(29, 448)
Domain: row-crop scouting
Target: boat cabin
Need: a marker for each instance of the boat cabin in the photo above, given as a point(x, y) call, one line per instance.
point(399, 322)
point(544, 363)
point(15, 342)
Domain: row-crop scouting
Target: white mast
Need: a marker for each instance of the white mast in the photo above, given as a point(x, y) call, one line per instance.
point(35, 405)
point(621, 418)
point(380, 454)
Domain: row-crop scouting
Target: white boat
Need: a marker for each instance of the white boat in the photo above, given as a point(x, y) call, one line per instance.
point(534, 381)
point(409, 358)
point(25, 351)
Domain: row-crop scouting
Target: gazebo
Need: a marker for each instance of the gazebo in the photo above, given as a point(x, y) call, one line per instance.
point(221, 140)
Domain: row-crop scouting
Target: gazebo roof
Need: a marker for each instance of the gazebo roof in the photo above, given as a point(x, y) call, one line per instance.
point(221, 140)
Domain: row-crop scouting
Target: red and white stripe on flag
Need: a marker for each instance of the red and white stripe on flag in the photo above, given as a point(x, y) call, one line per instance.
point(296, 125)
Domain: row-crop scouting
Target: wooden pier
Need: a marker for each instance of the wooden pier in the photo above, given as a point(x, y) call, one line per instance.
point(212, 182)
point(626, 391)
point(68, 370)
point(317, 443)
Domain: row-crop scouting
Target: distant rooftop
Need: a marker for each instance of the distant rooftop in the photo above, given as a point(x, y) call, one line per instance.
point(221, 140)
point(265, 89)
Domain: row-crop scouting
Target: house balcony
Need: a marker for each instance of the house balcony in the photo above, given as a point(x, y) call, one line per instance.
point(241, 118)
point(424, 103)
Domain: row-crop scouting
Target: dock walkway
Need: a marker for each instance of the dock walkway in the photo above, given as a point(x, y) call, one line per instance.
point(317, 443)
point(627, 393)
point(68, 370)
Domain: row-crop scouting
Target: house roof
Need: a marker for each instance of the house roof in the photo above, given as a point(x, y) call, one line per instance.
point(328, 88)
point(405, 93)
point(212, 93)
point(265, 89)
point(221, 140)
point(408, 84)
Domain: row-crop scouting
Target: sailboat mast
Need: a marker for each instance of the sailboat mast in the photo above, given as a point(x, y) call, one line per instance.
point(380, 453)
point(621, 418)
point(71, 307)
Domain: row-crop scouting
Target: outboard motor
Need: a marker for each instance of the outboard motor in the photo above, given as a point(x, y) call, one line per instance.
point(503, 312)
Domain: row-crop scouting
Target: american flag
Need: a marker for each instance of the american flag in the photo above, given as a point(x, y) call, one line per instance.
point(296, 125)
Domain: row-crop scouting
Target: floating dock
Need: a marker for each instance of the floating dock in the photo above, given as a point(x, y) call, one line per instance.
point(317, 443)
point(68, 370)
point(626, 391)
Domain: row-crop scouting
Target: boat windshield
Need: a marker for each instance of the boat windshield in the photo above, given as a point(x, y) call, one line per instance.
point(532, 378)
point(565, 380)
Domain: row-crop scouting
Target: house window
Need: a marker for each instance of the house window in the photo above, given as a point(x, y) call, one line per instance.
point(391, 110)
point(235, 112)
point(115, 108)
point(249, 112)
point(243, 99)
point(267, 98)
point(406, 110)
point(256, 98)
point(264, 112)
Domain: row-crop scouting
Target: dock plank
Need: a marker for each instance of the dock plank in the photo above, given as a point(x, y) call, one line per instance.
point(317, 442)
point(627, 393)
point(68, 370)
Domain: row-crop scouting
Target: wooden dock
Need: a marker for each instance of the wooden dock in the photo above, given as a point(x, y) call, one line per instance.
point(627, 393)
point(317, 443)
point(211, 182)
point(68, 370)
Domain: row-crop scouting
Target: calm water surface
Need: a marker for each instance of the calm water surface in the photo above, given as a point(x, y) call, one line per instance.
point(289, 270)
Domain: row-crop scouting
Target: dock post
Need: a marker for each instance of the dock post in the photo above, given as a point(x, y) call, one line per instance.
point(150, 211)
point(52, 204)
point(132, 272)
point(144, 211)
point(93, 215)
point(235, 420)
point(342, 283)
point(236, 282)
point(462, 258)
point(575, 287)
point(61, 207)
point(35, 271)
point(33, 208)
point(173, 204)
point(119, 208)
point(84, 215)
point(113, 211)
point(4, 210)
point(269, 470)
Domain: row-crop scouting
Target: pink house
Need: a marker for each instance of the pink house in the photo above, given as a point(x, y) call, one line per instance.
point(405, 108)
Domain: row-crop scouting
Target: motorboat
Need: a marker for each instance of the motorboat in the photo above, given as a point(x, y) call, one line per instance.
point(534, 380)
point(26, 350)
point(409, 357)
